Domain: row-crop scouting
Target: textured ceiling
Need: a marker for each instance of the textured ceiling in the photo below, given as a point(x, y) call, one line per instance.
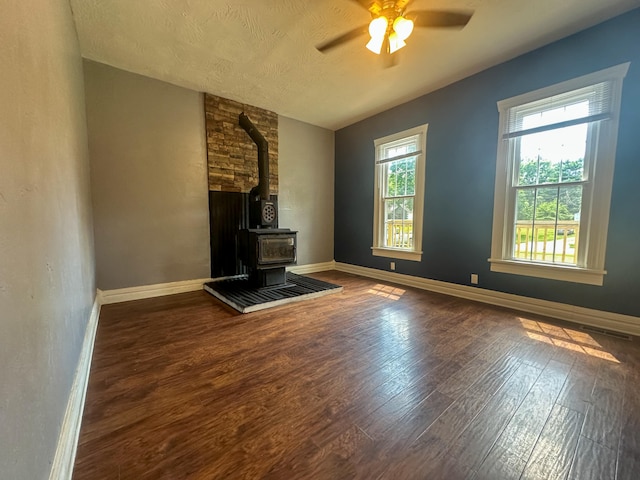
point(261, 52)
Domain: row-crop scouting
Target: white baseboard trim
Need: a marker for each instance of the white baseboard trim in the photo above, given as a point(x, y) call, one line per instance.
point(65, 455)
point(312, 267)
point(596, 318)
point(118, 295)
point(150, 291)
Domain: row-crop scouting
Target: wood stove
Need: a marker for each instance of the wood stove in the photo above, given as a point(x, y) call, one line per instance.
point(267, 252)
point(265, 249)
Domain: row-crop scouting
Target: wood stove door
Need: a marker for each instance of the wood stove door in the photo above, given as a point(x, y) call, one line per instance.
point(275, 249)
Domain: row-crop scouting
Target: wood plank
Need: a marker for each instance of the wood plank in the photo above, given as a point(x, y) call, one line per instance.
point(552, 456)
point(429, 450)
point(605, 416)
point(518, 439)
point(578, 389)
point(628, 464)
point(628, 459)
point(474, 444)
point(501, 463)
point(593, 461)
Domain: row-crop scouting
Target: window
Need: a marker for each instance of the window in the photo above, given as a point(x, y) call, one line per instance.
point(554, 174)
point(400, 167)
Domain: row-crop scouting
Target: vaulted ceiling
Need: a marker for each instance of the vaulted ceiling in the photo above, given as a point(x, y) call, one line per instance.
point(262, 52)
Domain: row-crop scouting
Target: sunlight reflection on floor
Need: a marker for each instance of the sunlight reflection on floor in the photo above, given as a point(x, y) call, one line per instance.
point(573, 340)
point(392, 293)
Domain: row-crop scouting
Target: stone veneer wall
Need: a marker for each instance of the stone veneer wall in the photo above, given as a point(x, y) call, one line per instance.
point(232, 155)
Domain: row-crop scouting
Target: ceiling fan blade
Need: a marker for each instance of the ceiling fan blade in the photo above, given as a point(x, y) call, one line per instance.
point(437, 18)
point(344, 38)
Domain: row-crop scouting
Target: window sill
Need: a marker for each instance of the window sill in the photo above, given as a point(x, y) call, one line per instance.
point(396, 253)
point(553, 272)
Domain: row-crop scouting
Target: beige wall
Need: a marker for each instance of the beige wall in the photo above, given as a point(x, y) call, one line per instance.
point(306, 160)
point(47, 284)
point(148, 179)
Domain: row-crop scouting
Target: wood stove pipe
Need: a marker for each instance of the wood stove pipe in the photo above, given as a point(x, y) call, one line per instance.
point(262, 188)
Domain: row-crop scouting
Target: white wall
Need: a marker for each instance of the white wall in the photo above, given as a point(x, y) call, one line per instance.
point(148, 178)
point(305, 198)
point(47, 284)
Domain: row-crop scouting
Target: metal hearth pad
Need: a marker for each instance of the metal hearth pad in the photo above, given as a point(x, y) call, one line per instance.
point(240, 295)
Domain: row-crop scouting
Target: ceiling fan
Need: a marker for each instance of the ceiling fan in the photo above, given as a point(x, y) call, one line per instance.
point(391, 25)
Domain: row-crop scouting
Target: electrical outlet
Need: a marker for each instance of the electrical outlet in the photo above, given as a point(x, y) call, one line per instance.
point(392, 266)
point(474, 278)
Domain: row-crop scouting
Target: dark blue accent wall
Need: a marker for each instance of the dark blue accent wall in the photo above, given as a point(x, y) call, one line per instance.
point(460, 174)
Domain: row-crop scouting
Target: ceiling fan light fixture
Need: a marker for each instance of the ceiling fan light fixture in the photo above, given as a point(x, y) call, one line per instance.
point(390, 28)
point(378, 31)
point(402, 27)
point(378, 27)
point(395, 42)
point(375, 44)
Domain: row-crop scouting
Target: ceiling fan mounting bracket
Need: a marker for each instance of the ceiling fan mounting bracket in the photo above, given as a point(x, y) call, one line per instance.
point(389, 9)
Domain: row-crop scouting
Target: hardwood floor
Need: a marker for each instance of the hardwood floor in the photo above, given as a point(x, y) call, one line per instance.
point(380, 381)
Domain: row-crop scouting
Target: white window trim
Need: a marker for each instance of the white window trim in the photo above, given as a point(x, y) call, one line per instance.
point(594, 271)
point(418, 206)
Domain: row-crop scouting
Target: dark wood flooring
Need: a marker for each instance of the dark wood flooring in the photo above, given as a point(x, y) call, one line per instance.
point(379, 381)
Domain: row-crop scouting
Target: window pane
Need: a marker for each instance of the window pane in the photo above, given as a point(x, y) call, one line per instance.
point(391, 208)
point(546, 204)
point(556, 115)
point(400, 149)
point(547, 224)
point(399, 223)
point(570, 199)
point(401, 177)
point(523, 229)
point(411, 176)
point(401, 172)
point(545, 217)
point(568, 225)
point(391, 189)
point(408, 210)
point(572, 170)
point(554, 156)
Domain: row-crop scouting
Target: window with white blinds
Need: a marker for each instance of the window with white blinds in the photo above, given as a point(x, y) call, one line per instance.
point(584, 105)
point(399, 199)
point(554, 174)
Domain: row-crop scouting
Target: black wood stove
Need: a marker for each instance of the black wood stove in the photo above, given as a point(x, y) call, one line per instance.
point(265, 249)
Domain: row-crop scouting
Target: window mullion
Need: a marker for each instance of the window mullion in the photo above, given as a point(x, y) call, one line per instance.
point(554, 184)
point(397, 196)
point(556, 126)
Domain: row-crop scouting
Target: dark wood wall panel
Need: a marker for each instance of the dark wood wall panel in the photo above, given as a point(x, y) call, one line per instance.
point(229, 213)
